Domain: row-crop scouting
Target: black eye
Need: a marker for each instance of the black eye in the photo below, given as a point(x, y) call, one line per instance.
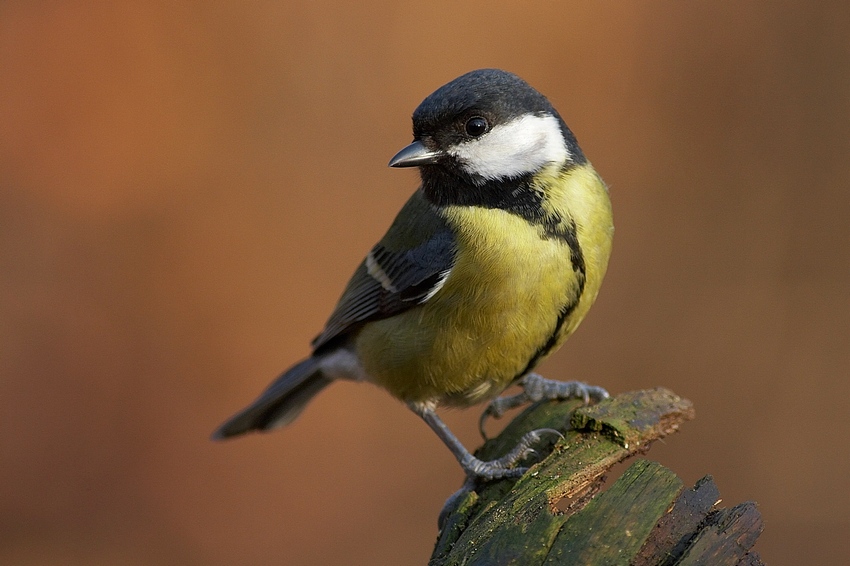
point(476, 126)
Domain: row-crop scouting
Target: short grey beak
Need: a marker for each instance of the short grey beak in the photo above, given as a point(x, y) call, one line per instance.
point(415, 155)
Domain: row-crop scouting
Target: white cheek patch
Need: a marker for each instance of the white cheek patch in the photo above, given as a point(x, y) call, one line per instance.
point(521, 146)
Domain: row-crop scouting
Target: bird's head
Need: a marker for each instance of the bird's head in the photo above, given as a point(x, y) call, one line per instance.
point(483, 128)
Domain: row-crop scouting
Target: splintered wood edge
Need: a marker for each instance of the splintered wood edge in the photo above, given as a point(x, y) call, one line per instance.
point(624, 426)
point(636, 416)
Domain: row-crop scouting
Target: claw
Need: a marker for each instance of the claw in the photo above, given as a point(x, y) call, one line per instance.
point(475, 468)
point(504, 467)
point(596, 393)
point(537, 388)
point(481, 420)
point(498, 407)
point(542, 431)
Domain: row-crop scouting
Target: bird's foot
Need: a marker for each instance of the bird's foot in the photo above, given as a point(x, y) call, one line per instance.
point(535, 388)
point(480, 470)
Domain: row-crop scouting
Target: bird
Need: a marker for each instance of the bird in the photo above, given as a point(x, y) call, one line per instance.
point(486, 270)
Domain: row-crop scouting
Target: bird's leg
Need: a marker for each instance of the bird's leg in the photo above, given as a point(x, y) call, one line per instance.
point(475, 468)
point(535, 388)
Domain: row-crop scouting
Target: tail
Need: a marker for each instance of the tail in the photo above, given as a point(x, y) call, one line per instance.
point(284, 400)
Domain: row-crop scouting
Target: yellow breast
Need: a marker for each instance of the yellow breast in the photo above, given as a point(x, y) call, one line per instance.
point(501, 302)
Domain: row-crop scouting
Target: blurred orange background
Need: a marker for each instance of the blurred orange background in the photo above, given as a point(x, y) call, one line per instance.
point(185, 188)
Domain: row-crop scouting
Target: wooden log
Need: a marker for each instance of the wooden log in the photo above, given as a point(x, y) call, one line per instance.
point(559, 513)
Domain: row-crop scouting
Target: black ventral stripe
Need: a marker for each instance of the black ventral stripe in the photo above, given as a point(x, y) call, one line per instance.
point(516, 195)
point(544, 350)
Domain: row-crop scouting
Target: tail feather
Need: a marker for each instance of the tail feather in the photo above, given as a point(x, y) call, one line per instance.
point(280, 404)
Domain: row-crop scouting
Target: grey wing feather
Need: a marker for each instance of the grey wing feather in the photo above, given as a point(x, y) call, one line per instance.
point(398, 281)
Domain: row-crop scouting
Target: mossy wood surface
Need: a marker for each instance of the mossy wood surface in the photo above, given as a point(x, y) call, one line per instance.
point(558, 512)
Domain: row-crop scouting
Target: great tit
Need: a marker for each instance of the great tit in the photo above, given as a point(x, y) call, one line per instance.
point(487, 269)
